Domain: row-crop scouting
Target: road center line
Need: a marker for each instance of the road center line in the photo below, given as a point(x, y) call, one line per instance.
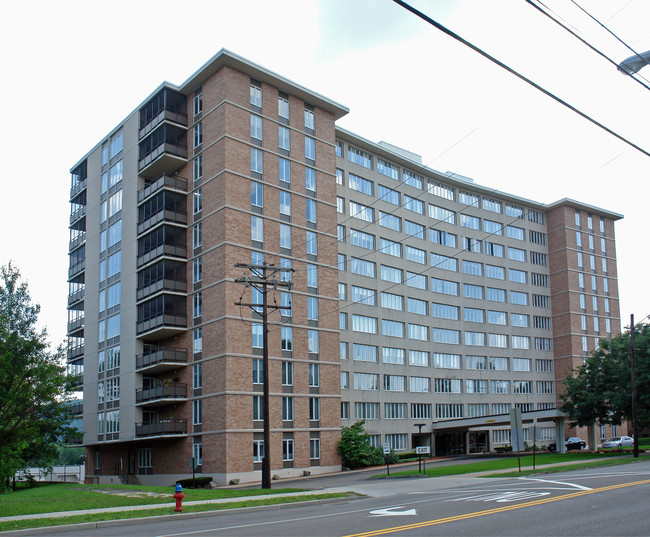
point(466, 516)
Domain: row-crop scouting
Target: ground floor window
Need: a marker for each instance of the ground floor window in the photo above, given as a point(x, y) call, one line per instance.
point(145, 461)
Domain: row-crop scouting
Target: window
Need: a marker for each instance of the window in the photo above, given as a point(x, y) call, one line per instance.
point(471, 222)
point(198, 135)
point(340, 205)
point(197, 412)
point(494, 272)
point(386, 194)
point(256, 93)
point(518, 298)
point(442, 237)
point(489, 226)
point(392, 328)
point(340, 233)
point(284, 140)
point(389, 247)
point(394, 383)
point(198, 340)
point(287, 373)
point(475, 339)
point(285, 202)
point(417, 331)
point(362, 295)
point(476, 362)
point(257, 229)
point(446, 361)
point(117, 143)
point(310, 210)
point(197, 168)
point(362, 323)
point(310, 179)
point(310, 148)
point(311, 242)
point(522, 386)
point(258, 408)
point(444, 287)
point(391, 301)
point(256, 127)
point(518, 276)
point(472, 315)
point(359, 157)
point(441, 335)
point(357, 210)
point(287, 338)
point(414, 230)
point(471, 200)
point(443, 262)
point(415, 305)
point(515, 254)
point(449, 410)
point(366, 381)
point(499, 386)
point(388, 169)
point(492, 205)
point(440, 213)
point(284, 171)
point(391, 355)
point(116, 173)
point(389, 221)
point(283, 105)
point(287, 409)
point(391, 274)
point(314, 375)
point(256, 160)
point(312, 308)
point(416, 254)
point(419, 281)
point(520, 364)
point(544, 343)
point(515, 233)
point(419, 358)
point(309, 124)
point(360, 184)
point(419, 384)
point(519, 319)
point(115, 203)
point(395, 411)
point(494, 249)
point(440, 190)
point(197, 201)
point(421, 411)
point(287, 450)
point(472, 291)
point(258, 371)
point(366, 411)
point(364, 353)
point(520, 342)
point(114, 233)
point(345, 380)
point(413, 204)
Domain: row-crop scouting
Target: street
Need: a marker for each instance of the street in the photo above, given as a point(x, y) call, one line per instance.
point(594, 502)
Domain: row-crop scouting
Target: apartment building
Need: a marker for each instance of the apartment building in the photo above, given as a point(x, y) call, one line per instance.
point(415, 296)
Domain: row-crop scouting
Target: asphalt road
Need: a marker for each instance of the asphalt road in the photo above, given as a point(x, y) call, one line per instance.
point(594, 502)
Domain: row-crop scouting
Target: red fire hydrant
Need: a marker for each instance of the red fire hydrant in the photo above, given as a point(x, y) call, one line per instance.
point(179, 497)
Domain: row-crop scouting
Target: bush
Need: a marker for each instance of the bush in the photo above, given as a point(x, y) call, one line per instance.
point(503, 449)
point(355, 447)
point(188, 483)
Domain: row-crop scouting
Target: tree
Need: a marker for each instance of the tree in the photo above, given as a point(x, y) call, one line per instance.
point(33, 383)
point(601, 389)
point(355, 447)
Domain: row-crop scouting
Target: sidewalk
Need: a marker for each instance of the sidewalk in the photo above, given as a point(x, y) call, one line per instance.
point(362, 489)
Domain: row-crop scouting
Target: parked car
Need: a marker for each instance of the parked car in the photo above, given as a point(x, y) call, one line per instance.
point(570, 444)
point(618, 441)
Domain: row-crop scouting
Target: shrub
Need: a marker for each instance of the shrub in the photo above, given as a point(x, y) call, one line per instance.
point(355, 447)
point(188, 483)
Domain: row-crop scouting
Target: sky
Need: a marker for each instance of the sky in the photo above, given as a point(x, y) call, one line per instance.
point(72, 70)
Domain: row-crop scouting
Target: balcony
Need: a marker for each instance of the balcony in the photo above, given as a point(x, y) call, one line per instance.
point(162, 326)
point(164, 181)
point(77, 408)
point(76, 296)
point(76, 268)
point(77, 214)
point(75, 353)
point(159, 359)
point(161, 395)
point(163, 428)
point(74, 440)
point(171, 250)
point(77, 241)
point(164, 284)
point(164, 215)
point(76, 325)
point(166, 105)
point(78, 187)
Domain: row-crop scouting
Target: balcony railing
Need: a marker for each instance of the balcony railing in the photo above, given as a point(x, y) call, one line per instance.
point(164, 249)
point(164, 215)
point(168, 115)
point(164, 284)
point(76, 325)
point(78, 187)
point(76, 296)
point(77, 409)
point(76, 268)
point(160, 357)
point(174, 392)
point(165, 148)
point(74, 440)
point(81, 211)
point(75, 353)
point(175, 183)
point(163, 322)
point(164, 427)
point(77, 241)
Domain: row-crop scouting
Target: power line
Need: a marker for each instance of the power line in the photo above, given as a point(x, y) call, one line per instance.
point(518, 75)
point(584, 42)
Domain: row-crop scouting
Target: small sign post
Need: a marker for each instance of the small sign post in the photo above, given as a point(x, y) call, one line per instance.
point(421, 452)
point(193, 465)
point(516, 433)
point(386, 453)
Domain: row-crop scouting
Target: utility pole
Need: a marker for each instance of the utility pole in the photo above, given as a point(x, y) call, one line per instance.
point(262, 277)
point(635, 431)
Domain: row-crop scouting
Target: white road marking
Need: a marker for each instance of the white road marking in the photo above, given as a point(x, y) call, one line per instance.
point(390, 511)
point(570, 485)
point(501, 497)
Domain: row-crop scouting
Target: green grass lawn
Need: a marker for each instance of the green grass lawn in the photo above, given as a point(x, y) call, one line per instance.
point(46, 498)
point(42, 522)
point(581, 460)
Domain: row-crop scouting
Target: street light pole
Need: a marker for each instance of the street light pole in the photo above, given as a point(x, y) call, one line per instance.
point(635, 431)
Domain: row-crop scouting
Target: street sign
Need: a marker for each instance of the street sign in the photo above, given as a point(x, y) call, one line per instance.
point(386, 448)
point(423, 450)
